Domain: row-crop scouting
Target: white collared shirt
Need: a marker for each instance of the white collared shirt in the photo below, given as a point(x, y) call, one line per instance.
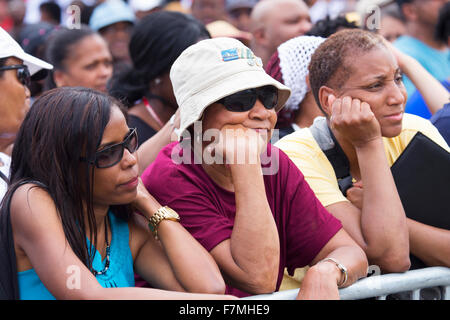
point(5, 163)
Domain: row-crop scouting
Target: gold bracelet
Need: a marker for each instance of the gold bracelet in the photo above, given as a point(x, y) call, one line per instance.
point(341, 268)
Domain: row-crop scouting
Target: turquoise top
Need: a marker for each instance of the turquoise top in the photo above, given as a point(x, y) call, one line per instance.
point(436, 62)
point(119, 274)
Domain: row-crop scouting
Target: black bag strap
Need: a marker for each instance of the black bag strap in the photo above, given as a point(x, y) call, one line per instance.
point(338, 160)
point(4, 177)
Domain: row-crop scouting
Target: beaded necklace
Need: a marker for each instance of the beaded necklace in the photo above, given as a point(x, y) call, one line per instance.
point(95, 272)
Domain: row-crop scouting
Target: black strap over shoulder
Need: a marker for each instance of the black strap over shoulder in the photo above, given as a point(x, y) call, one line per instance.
point(340, 164)
point(4, 177)
point(333, 151)
point(338, 158)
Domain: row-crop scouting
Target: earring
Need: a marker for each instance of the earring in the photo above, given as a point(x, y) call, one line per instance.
point(157, 81)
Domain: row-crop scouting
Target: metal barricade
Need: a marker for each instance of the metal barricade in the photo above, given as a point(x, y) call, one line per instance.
point(410, 285)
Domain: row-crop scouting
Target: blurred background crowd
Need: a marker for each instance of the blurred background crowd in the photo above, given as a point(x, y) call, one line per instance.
point(262, 25)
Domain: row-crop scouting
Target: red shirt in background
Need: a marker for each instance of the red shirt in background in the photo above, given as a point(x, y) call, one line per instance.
point(7, 24)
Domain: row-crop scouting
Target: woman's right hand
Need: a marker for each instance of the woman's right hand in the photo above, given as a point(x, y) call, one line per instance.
point(354, 120)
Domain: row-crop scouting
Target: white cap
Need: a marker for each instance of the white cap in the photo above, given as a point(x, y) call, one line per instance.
point(10, 48)
point(145, 5)
point(213, 69)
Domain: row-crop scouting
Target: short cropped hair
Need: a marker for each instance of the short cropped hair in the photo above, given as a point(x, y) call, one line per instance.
point(329, 64)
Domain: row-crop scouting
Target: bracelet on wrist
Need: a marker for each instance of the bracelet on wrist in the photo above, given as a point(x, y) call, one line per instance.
point(341, 268)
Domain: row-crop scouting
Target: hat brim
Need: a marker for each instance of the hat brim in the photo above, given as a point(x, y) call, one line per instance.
point(34, 64)
point(192, 108)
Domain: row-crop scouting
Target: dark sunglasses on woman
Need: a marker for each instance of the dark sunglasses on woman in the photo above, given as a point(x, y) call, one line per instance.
point(245, 100)
point(23, 74)
point(112, 155)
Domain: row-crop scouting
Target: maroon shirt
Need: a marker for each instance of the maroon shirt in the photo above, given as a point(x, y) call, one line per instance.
point(207, 211)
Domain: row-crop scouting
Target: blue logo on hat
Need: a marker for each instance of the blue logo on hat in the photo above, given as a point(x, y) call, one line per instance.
point(230, 54)
point(241, 53)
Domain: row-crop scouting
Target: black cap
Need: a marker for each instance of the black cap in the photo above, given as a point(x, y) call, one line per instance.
point(32, 36)
point(402, 2)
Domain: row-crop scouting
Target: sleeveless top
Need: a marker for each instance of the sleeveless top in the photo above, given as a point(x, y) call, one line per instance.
point(119, 274)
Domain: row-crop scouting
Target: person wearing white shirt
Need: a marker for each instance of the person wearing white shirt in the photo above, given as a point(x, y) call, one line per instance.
point(17, 68)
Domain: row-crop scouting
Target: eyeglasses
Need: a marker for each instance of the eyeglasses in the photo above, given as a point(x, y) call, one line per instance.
point(245, 100)
point(23, 74)
point(112, 155)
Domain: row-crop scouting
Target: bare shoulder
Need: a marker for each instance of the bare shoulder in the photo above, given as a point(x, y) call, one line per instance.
point(32, 208)
point(30, 196)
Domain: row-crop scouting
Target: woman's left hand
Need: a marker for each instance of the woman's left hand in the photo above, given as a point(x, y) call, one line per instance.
point(144, 202)
point(355, 194)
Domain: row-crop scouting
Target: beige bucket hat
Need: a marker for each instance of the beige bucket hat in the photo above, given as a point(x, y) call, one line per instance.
point(215, 68)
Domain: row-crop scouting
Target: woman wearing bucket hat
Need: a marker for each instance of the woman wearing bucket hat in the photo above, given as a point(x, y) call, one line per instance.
point(240, 197)
point(16, 69)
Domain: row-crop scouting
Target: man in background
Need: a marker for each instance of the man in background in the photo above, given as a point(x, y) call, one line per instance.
point(273, 22)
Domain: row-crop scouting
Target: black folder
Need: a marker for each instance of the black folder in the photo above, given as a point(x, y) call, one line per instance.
point(422, 177)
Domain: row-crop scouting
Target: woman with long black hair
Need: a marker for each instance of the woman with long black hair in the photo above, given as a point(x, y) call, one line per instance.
point(68, 225)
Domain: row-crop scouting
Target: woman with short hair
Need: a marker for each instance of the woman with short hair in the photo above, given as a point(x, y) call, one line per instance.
point(357, 83)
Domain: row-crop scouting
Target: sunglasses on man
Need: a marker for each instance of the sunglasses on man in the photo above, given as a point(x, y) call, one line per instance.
point(112, 155)
point(245, 100)
point(23, 74)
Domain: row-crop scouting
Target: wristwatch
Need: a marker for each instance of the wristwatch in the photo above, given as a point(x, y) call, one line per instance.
point(160, 215)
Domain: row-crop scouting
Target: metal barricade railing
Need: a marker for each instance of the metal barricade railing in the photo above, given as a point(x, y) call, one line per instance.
point(410, 284)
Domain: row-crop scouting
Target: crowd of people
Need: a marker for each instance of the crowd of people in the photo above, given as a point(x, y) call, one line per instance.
point(214, 149)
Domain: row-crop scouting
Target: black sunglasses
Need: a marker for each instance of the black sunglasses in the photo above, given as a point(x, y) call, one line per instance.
point(23, 74)
point(112, 155)
point(245, 100)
